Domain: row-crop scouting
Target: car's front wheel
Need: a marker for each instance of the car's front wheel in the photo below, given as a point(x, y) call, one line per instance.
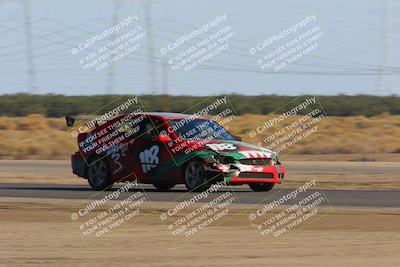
point(163, 186)
point(261, 187)
point(196, 177)
point(99, 175)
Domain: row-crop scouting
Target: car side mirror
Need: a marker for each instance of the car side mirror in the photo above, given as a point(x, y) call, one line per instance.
point(164, 138)
point(238, 138)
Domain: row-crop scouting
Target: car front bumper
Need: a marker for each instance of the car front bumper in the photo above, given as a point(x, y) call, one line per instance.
point(244, 174)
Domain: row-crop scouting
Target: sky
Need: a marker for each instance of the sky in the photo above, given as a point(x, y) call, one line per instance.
point(355, 49)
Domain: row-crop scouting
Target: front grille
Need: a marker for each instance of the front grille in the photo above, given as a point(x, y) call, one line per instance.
point(257, 175)
point(259, 162)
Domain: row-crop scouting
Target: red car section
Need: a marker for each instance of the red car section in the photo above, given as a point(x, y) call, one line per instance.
point(165, 149)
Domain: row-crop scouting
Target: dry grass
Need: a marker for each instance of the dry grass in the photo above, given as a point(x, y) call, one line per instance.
point(37, 137)
point(335, 135)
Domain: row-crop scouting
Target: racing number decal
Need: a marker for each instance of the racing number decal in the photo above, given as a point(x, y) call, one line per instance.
point(116, 153)
point(149, 158)
point(221, 146)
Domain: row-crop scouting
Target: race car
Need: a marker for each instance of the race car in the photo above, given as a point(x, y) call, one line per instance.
point(166, 149)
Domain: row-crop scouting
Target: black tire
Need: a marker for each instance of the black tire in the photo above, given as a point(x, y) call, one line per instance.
point(99, 175)
point(261, 187)
point(196, 178)
point(163, 186)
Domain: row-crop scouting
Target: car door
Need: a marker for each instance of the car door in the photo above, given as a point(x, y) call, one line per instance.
point(123, 158)
point(149, 151)
point(145, 157)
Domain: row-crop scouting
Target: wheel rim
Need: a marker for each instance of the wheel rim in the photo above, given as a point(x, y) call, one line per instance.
point(98, 172)
point(194, 174)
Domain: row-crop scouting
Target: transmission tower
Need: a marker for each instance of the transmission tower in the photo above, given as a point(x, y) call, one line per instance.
point(150, 48)
point(29, 47)
point(386, 83)
point(164, 84)
point(114, 36)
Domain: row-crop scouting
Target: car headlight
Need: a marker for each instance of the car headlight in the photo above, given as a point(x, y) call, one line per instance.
point(223, 159)
point(275, 161)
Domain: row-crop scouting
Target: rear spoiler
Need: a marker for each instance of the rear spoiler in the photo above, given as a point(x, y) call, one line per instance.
point(70, 120)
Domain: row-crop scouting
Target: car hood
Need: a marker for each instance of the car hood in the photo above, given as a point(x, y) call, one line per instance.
point(236, 149)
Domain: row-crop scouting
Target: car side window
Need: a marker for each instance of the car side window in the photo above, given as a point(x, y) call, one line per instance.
point(150, 128)
point(130, 127)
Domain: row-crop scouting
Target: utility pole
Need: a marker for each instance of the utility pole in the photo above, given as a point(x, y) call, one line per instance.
point(164, 85)
point(150, 48)
point(29, 46)
point(111, 69)
point(386, 82)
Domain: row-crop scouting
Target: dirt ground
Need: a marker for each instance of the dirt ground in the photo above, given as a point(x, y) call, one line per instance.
point(38, 232)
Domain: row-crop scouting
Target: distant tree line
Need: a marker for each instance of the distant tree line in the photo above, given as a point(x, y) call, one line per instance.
point(60, 105)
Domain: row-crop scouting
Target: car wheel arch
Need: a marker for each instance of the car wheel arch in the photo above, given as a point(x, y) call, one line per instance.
point(92, 159)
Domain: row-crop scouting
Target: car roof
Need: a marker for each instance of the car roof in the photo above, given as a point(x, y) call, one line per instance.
point(169, 115)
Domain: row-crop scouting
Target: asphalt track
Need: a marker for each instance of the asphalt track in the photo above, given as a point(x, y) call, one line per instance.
point(243, 195)
point(348, 198)
point(301, 167)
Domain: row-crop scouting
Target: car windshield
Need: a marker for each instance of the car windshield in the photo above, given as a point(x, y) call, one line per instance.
point(199, 129)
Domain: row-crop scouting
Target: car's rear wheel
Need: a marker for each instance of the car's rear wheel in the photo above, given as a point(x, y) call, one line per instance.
point(99, 175)
point(163, 186)
point(261, 187)
point(196, 178)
